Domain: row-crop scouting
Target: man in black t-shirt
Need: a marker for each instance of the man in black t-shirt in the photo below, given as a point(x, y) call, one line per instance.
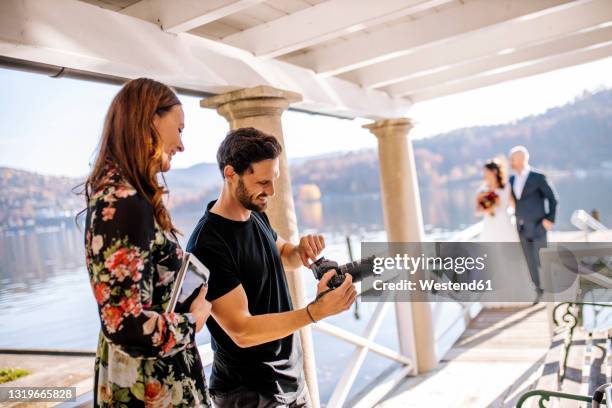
point(258, 356)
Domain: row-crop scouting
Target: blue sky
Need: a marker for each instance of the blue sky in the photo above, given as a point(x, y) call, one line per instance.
point(52, 126)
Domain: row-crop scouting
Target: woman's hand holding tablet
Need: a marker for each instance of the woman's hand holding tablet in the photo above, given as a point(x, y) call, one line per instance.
point(192, 275)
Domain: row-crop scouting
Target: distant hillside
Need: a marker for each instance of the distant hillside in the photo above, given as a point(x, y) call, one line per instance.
point(576, 136)
point(192, 186)
point(28, 199)
point(199, 177)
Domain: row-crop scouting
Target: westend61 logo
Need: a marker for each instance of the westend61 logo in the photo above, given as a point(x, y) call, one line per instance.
point(437, 263)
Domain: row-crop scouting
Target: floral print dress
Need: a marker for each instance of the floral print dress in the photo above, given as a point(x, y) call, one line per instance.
point(145, 357)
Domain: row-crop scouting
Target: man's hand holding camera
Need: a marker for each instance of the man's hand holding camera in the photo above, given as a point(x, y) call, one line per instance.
point(310, 247)
point(331, 302)
point(294, 256)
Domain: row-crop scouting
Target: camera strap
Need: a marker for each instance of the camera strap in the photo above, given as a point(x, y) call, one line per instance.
point(320, 295)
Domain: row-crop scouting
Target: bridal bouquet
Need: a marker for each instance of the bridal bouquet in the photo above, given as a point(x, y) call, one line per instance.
point(488, 201)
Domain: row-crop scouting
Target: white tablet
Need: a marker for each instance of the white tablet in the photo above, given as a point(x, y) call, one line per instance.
point(190, 277)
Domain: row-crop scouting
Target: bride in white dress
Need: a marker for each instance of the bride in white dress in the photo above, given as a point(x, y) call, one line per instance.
point(498, 226)
point(495, 208)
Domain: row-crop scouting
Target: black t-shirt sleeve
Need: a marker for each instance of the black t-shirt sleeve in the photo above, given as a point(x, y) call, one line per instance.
point(223, 274)
point(264, 216)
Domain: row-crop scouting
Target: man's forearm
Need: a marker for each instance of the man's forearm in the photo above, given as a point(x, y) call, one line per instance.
point(290, 256)
point(264, 328)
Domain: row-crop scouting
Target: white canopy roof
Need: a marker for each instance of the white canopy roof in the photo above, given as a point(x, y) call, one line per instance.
point(346, 57)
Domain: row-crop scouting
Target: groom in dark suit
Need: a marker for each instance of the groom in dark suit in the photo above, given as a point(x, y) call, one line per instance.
point(536, 205)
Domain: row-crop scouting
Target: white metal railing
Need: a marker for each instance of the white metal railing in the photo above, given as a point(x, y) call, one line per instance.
point(365, 341)
point(598, 279)
point(363, 344)
point(468, 234)
point(580, 219)
point(585, 222)
point(583, 272)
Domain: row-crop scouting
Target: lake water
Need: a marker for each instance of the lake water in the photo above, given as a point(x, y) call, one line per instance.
point(46, 301)
point(451, 207)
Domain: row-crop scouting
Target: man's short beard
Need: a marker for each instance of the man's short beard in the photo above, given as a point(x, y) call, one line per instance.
point(245, 199)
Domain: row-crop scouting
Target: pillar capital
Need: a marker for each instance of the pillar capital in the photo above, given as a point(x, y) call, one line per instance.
point(261, 100)
point(390, 127)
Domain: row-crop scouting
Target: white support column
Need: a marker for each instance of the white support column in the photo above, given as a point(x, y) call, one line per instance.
point(261, 107)
point(404, 223)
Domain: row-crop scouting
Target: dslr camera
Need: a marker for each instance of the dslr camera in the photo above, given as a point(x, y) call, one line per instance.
point(357, 269)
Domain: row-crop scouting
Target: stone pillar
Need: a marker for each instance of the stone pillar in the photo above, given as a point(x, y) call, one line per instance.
point(261, 107)
point(404, 223)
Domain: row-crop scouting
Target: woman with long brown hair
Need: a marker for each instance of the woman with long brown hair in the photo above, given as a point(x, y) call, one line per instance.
point(145, 356)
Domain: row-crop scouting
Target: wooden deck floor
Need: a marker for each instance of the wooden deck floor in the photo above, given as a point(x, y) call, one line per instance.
point(49, 371)
point(497, 359)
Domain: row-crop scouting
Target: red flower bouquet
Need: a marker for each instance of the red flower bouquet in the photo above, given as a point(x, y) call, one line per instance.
point(488, 201)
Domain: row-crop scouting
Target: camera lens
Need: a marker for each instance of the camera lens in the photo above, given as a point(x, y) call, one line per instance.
point(357, 269)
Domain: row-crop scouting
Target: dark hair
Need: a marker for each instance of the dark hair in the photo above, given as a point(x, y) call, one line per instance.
point(244, 146)
point(130, 140)
point(496, 167)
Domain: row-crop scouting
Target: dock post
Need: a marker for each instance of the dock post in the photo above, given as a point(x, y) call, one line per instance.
point(261, 107)
point(404, 223)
